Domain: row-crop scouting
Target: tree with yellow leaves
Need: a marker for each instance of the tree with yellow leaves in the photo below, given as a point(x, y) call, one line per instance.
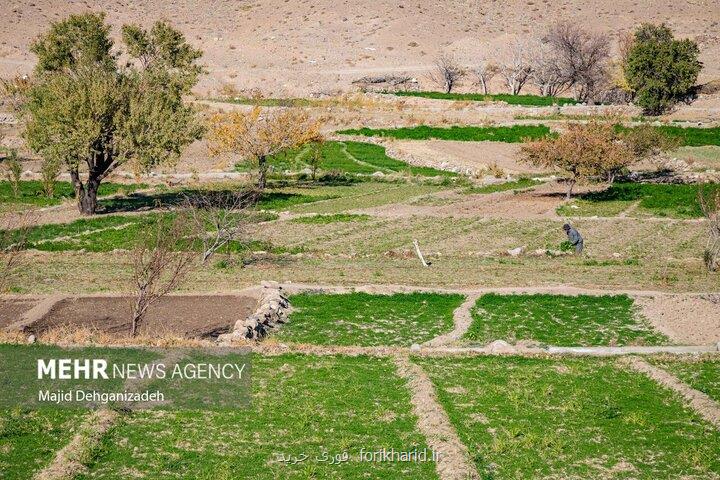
point(260, 133)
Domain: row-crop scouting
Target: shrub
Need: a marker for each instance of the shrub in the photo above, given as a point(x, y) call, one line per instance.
point(660, 69)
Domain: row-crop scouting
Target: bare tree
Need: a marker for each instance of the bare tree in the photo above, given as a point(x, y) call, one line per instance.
point(710, 204)
point(13, 241)
point(547, 72)
point(484, 73)
point(160, 263)
point(447, 73)
point(582, 57)
point(516, 65)
point(219, 218)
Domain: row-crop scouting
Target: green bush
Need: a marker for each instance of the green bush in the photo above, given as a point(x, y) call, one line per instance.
point(660, 69)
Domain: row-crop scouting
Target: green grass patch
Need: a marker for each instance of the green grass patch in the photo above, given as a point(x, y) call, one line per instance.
point(661, 200)
point(702, 374)
point(335, 218)
point(514, 134)
point(571, 418)
point(561, 320)
point(690, 136)
point(31, 192)
point(30, 438)
point(529, 100)
point(301, 406)
point(354, 158)
point(369, 320)
point(112, 232)
point(519, 184)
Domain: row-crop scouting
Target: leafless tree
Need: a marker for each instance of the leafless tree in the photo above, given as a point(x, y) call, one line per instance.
point(582, 57)
point(484, 73)
point(447, 72)
point(547, 72)
point(218, 218)
point(516, 65)
point(13, 241)
point(161, 261)
point(710, 204)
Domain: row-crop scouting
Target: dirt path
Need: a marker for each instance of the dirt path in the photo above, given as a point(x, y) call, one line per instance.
point(70, 460)
point(706, 407)
point(454, 461)
point(462, 319)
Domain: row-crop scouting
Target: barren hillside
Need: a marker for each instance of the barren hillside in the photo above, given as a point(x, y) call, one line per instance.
point(295, 47)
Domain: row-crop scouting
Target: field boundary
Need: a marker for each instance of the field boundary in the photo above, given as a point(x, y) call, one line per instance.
point(453, 458)
point(462, 319)
point(705, 406)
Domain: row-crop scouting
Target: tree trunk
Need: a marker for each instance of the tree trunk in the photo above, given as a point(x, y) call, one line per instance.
point(86, 195)
point(570, 189)
point(484, 85)
point(262, 173)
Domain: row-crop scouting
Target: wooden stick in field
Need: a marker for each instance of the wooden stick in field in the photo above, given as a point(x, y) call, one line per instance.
point(419, 254)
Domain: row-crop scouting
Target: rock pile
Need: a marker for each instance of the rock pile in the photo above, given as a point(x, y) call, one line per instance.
point(272, 311)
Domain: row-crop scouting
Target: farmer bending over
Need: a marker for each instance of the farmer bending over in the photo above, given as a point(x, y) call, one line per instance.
point(574, 237)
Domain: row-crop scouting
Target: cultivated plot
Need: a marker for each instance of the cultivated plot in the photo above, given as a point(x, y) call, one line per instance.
point(571, 418)
point(302, 406)
point(702, 374)
point(369, 320)
point(561, 320)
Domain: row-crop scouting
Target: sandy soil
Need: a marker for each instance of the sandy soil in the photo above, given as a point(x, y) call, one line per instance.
point(472, 157)
point(303, 46)
point(188, 316)
point(690, 320)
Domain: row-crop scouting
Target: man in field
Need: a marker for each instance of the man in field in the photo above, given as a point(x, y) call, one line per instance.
point(576, 240)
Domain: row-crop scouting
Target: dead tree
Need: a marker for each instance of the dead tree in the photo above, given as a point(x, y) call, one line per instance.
point(547, 74)
point(447, 73)
point(160, 263)
point(485, 72)
point(219, 218)
point(710, 204)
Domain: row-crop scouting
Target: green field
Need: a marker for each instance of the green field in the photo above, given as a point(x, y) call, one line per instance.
point(581, 320)
point(702, 374)
point(514, 134)
point(659, 200)
point(31, 192)
point(369, 320)
point(302, 405)
point(354, 158)
point(529, 100)
point(519, 184)
point(571, 418)
point(30, 438)
point(690, 136)
point(336, 218)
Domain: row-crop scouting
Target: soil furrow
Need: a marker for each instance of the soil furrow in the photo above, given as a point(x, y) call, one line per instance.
point(453, 458)
point(706, 407)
